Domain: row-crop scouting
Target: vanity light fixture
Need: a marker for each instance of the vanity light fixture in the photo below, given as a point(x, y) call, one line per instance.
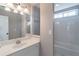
point(17, 8)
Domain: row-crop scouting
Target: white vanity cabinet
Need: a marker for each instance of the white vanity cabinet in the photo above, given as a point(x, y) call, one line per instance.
point(29, 51)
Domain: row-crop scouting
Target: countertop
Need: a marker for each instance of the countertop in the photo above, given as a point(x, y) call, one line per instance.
point(13, 47)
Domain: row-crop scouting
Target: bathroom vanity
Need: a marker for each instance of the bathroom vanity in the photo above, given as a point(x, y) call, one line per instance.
point(27, 47)
point(28, 51)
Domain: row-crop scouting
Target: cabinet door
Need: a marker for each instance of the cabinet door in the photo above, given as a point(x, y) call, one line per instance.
point(29, 51)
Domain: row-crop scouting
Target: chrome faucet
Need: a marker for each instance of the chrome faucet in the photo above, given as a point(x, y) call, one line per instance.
point(18, 42)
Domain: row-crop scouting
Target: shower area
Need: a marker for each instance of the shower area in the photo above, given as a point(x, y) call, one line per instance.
point(66, 29)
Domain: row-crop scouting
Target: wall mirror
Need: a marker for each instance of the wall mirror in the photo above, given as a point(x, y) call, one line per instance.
point(16, 20)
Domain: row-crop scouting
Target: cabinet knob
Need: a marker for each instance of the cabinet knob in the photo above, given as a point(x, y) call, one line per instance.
point(7, 33)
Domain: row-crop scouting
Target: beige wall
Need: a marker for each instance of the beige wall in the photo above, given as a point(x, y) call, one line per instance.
point(46, 29)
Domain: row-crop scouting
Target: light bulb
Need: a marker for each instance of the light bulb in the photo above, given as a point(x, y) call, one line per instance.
point(26, 10)
point(15, 11)
point(10, 4)
point(21, 13)
point(19, 8)
point(7, 9)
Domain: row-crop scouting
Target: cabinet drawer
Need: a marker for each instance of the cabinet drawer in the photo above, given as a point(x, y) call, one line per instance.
point(29, 51)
